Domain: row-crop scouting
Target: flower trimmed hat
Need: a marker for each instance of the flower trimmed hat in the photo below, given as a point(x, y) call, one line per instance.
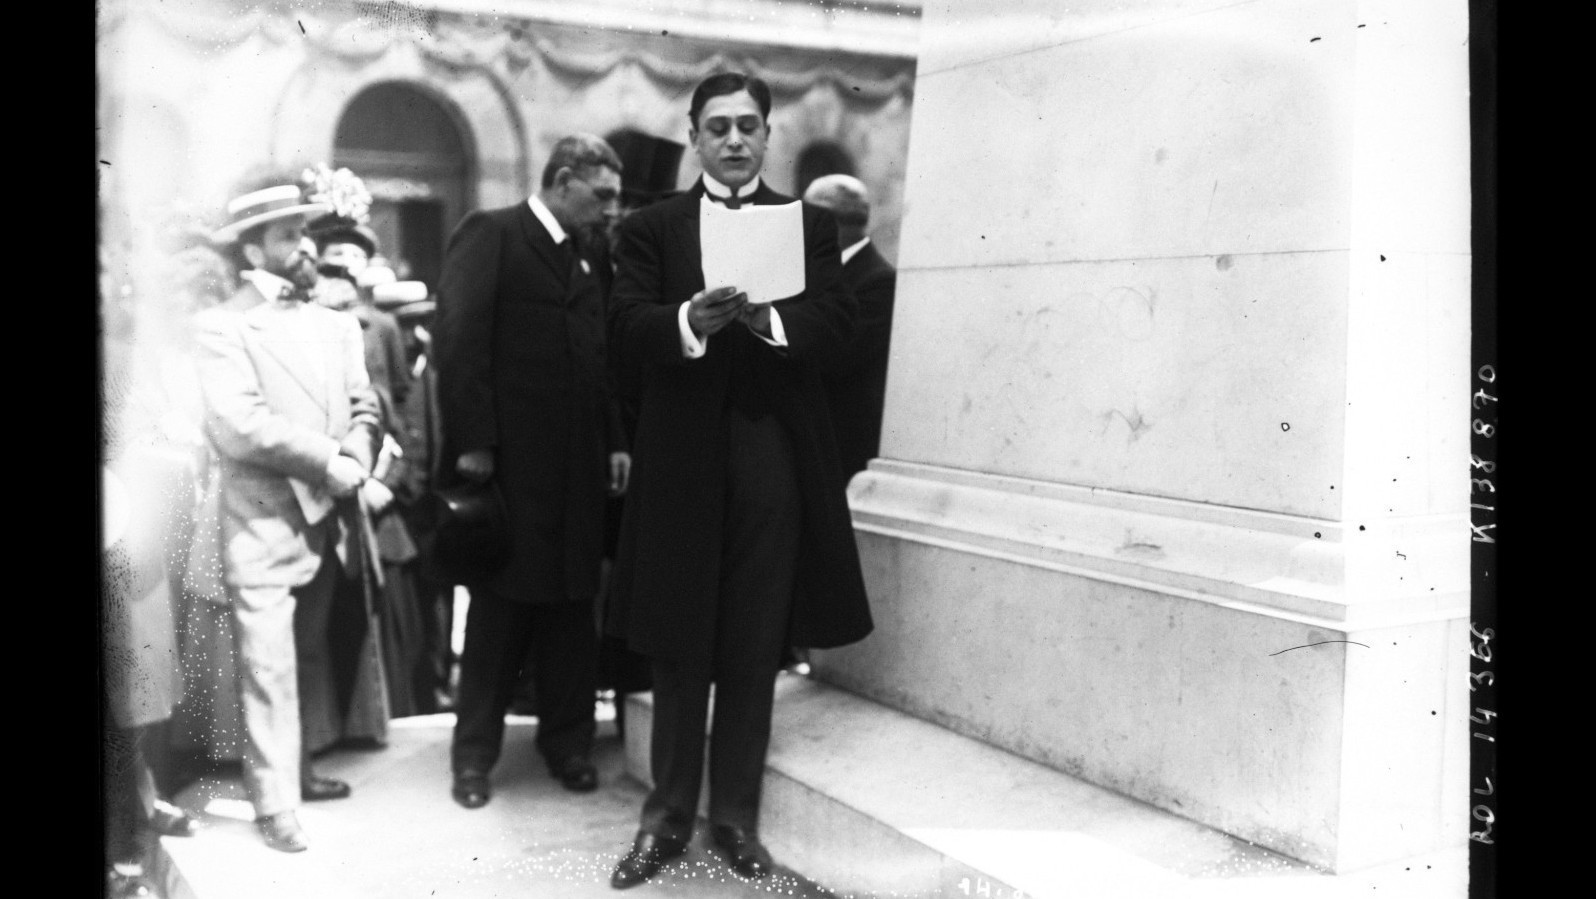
point(332, 228)
point(350, 202)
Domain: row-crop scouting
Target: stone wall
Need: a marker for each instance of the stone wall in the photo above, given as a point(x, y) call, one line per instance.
point(1174, 490)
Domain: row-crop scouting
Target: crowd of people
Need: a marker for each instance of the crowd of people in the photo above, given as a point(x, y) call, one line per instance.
point(304, 452)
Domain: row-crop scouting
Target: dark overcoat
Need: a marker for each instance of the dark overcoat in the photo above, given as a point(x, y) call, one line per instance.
point(858, 386)
point(667, 569)
point(520, 347)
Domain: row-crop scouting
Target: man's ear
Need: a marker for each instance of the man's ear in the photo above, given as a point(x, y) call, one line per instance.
point(255, 255)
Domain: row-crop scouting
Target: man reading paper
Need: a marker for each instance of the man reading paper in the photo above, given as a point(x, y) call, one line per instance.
point(737, 539)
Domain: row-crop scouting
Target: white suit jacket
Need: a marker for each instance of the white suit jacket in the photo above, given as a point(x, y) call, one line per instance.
point(285, 389)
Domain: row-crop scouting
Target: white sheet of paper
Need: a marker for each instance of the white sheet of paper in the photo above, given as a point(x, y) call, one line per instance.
point(757, 249)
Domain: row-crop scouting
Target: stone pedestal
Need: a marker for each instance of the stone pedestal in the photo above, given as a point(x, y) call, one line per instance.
point(1173, 492)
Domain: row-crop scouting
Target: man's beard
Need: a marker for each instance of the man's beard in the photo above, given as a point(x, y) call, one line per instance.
point(299, 270)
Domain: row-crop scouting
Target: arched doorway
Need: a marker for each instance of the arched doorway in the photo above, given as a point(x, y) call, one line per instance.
point(822, 158)
point(417, 161)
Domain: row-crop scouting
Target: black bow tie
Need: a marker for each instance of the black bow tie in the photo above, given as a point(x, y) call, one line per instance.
point(297, 294)
point(731, 202)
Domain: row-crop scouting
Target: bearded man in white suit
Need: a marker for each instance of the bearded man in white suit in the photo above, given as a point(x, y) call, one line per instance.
point(292, 422)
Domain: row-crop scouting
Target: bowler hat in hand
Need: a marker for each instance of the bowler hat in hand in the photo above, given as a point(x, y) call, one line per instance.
point(472, 540)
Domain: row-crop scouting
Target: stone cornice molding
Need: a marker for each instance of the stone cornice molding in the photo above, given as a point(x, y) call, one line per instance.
point(888, 28)
point(1340, 575)
point(459, 35)
point(222, 26)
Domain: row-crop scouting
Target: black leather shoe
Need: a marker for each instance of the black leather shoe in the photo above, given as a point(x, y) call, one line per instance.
point(170, 821)
point(576, 774)
point(315, 788)
point(746, 854)
point(471, 789)
point(282, 832)
point(649, 853)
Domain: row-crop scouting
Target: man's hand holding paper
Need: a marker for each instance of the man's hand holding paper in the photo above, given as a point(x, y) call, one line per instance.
point(757, 317)
point(714, 308)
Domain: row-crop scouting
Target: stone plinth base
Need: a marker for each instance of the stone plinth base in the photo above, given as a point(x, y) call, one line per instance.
point(866, 801)
point(1216, 663)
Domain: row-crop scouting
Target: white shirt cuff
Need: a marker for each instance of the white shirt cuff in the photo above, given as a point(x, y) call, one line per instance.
point(337, 450)
point(778, 334)
point(692, 347)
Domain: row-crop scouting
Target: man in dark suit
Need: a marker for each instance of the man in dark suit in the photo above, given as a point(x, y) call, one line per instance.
point(526, 402)
point(736, 540)
point(858, 387)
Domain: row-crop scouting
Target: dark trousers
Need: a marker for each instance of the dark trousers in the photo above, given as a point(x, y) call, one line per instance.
point(437, 625)
point(322, 697)
point(558, 639)
point(758, 563)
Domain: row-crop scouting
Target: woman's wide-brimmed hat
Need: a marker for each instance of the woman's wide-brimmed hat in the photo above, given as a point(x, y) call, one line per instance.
point(334, 228)
point(394, 294)
point(262, 206)
point(418, 309)
point(373, 276)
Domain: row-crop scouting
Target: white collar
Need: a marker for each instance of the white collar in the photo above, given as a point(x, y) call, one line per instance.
point(718, 189)
point(547, 218)
point(270, 286)
point(852, 250)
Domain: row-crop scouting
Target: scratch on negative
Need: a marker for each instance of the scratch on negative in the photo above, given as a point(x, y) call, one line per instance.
point(1321, 643)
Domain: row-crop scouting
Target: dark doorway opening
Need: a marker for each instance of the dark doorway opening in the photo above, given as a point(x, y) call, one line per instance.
point(823, 158)
point(415, 157)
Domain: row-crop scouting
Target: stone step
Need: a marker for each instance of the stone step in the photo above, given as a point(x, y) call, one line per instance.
point(866, 801)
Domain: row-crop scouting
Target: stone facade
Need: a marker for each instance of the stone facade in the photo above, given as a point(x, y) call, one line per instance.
point(194, 93)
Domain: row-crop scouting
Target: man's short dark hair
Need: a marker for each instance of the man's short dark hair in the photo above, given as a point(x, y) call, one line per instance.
point(578, 152)
point(729, 83)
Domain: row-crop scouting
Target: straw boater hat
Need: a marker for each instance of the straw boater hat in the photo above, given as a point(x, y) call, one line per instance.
point(373, 276)
point(403, 299)
point(418, 309)
point(262, 206)
point(393, 294)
